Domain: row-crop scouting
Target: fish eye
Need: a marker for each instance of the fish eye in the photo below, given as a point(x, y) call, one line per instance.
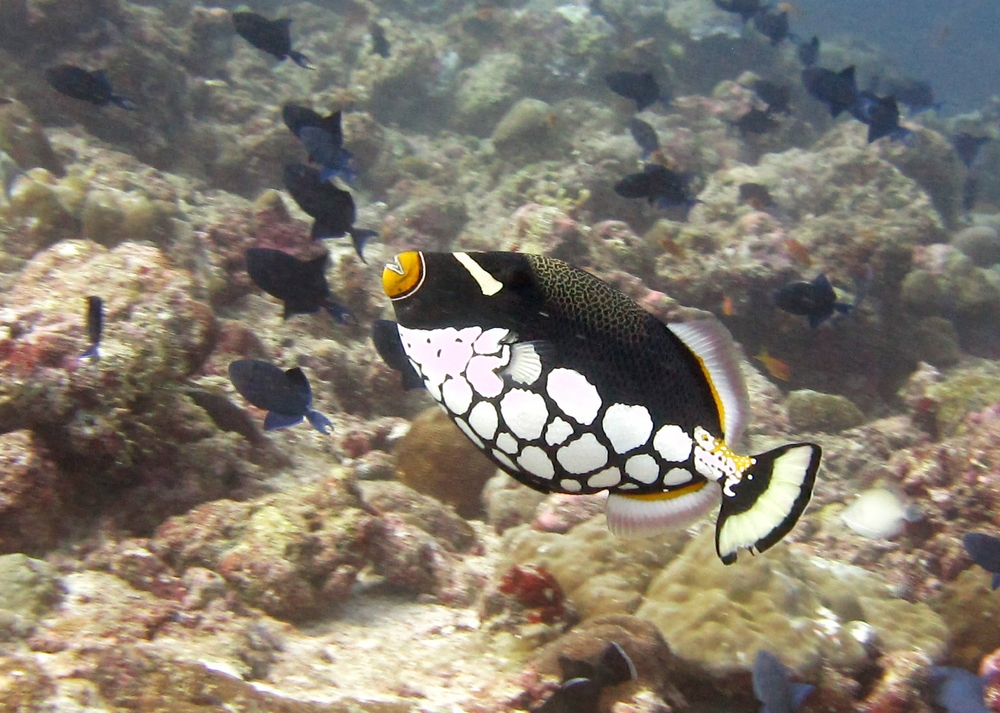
point(404, 275)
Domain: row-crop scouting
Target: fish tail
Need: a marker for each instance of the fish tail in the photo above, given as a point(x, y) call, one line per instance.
point(339, 312)
point(360, 238)
point(300, 59)
point(92, 353)
point(318, 421)
point(124, 102)
point(765, 503)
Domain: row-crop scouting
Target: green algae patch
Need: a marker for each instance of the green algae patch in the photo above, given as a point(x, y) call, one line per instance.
point(29, 587)
point(964, 391)
point(815, 411)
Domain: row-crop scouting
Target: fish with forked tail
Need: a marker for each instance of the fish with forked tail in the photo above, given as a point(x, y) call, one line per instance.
point(78, 83)
point(300, 284)
point(571, 387)
point(285, 395)
point(331, 207)
point(271, 36)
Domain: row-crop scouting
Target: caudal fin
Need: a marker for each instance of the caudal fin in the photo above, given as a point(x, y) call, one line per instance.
point(766, 503)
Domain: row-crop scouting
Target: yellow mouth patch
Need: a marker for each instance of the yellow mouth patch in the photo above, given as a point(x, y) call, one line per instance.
point(404, 275)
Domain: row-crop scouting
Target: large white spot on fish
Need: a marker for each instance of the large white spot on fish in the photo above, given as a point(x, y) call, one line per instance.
point(524, 413)
point(439, 352)
point(534, 460)
point(489, 341)
point(484, 420)
point(482, 375)
point(676, 476)
point(607, 478)
point(582, 455)
point(574, 395)
point(507, 443)
point(711, 465)
point(570, 486)
point(627, 427)
point(464, 427)
point(673, 444)
point(642, 467)
point(558, 431)
point(507, 462)
point(457, 395)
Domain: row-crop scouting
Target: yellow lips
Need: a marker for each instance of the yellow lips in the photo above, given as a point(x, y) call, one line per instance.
point(404, 275)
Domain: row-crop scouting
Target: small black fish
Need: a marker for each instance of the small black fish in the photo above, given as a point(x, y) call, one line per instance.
point(331, 207)
point(916, 94)
point(744, 8)
point(814, 300)
point(772, 687)
point(323, 138)
point(385, 336)
point(78, 83)
point(95, 325)
point(657, 184)
point(967, 146)
point(756, 195)
point(644, 135)
point(809, 51)
point(984, 551)
point(300, 284)
point(226, 415)
point(380, 44)
point(776, 96)
point(640, 87)
point(756, 121)
point(880, 114)
point(583, 681)
point(838, 90)
point(285, 395)
point(773, 24)
point(271, 36)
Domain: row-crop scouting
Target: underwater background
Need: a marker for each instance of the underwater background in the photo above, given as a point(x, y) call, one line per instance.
point(162, 551)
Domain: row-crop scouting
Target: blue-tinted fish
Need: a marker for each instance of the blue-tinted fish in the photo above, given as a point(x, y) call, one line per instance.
point(744, 8)
point(331, 207)
point(881, 115)
point(776, 96)
point(772, 687)
point(773, 24)
point(78, 83)
point(838, 90)
point(957, 690)
point(658, 185)
point(967, 147)
point(814, 300)
point(916, 94)
point(756, 121)
point(380, 43)
point(271, 36)
point(385, 337)
point(300, 284)
point(583, 681)
point(808, 51)
point(323, 138)
point(640, 87)
point(644, 135)
point(571, 387)
point(984, 551)
point(95, 325)
point(285, 395)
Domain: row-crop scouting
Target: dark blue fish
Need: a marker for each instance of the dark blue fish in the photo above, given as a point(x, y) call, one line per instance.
point(957, 690)
point(838, 90)
point(772, 687)
point(385, 336)
point(880, 114)
point(808, 51)
point(773, 24)
point(640, 87)
point(744, 8)
point(380, 43)
point(300, 284)
point(776, 96)
point(967, 147)
point(583, 681)
point(95, 325)
point(814, 300)
point(331, 207)
point(285, 395)
point(657, 184)
point(271, 36)
point(916, 94)
point(756, 121)
point(323, 138)
point(78, 83)
point(984, 551)
point(644, 135)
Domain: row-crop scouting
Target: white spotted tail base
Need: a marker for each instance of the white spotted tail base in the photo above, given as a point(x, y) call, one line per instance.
point(569, 386)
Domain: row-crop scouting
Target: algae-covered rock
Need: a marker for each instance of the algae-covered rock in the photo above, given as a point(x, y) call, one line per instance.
point(719, 616)
point(815, 411)
point(22, 137)
point(970, 611)
point(486, 91)
point(525, 130)
point(981, 243)
point(436, 459)
point(962, 391)
point(30, 497)
point(935, 341)
point(28, 587)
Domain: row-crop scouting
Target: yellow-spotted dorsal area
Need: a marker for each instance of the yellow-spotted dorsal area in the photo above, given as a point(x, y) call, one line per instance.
point(404, 275)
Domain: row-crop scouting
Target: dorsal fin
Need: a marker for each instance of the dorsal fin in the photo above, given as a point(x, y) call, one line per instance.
point(713, 345)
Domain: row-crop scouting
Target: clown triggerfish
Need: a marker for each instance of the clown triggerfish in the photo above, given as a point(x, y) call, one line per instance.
point(571, 387)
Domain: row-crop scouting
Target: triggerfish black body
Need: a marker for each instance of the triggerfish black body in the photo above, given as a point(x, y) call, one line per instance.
point(285, 395)
point(323, 138)
point(271, 36)
point(79, 83)
point(332, 207)
point(571, 387)
point(300, 284)
point(583, 681)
